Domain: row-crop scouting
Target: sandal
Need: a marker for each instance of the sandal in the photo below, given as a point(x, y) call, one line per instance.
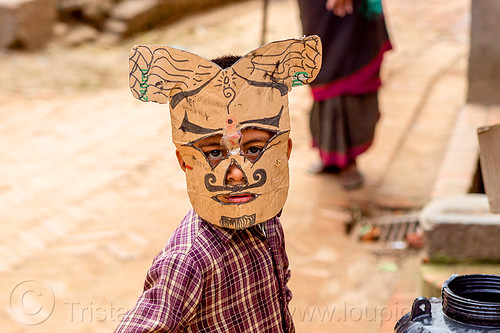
point(351, 178)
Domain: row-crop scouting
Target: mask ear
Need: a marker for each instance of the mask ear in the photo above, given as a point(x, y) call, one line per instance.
point(291, 62)
point(159, 72)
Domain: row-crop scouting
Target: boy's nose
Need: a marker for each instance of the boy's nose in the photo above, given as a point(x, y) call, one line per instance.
point(235, 175)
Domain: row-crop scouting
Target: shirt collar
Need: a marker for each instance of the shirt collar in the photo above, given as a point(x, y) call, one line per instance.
point(225, 234)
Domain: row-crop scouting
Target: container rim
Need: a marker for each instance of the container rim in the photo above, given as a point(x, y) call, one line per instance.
point(468, 310)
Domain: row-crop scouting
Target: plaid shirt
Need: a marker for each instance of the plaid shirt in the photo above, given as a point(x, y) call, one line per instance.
point(210, 279)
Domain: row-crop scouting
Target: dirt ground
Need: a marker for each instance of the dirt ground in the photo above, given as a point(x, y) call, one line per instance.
point(90, 190)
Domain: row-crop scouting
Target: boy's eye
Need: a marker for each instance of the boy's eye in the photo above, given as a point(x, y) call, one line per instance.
point(254, 150)
point(214, 156)
point(252, 153)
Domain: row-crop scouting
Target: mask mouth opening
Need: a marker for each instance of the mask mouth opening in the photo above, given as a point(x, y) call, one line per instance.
point(235, 198)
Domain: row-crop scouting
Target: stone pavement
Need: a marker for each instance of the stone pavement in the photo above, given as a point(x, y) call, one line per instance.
point(90, 191)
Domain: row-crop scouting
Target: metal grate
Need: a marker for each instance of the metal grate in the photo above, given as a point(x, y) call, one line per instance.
point(391, 229)
point(395, 228)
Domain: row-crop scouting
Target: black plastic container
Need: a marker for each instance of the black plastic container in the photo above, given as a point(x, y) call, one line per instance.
point(469, 303)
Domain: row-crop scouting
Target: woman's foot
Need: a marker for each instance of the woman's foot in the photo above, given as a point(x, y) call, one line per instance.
point(350, 178)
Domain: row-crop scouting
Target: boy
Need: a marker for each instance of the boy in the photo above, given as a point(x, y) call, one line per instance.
point(225, 268)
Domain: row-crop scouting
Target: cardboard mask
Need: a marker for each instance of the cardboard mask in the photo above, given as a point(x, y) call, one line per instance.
point(208, 102)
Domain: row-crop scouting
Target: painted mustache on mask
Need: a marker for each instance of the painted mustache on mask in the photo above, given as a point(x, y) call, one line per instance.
point(260, 177)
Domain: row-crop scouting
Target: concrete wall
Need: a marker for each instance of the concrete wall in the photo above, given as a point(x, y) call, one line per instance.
point(484, 61)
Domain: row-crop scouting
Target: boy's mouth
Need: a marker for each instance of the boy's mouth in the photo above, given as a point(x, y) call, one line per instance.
point(240, 198)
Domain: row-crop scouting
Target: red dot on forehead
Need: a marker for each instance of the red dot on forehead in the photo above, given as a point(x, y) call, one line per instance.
point(229, 121)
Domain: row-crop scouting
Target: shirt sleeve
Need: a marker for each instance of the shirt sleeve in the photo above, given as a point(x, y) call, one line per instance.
point(172, 292)
point(286, 266)
point(287, 274)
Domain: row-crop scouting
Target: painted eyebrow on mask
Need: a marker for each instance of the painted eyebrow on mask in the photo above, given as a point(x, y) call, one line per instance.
point(272, 121)
point(187, 126)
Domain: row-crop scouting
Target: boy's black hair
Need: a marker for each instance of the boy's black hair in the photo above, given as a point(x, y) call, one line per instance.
point(226, 61)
